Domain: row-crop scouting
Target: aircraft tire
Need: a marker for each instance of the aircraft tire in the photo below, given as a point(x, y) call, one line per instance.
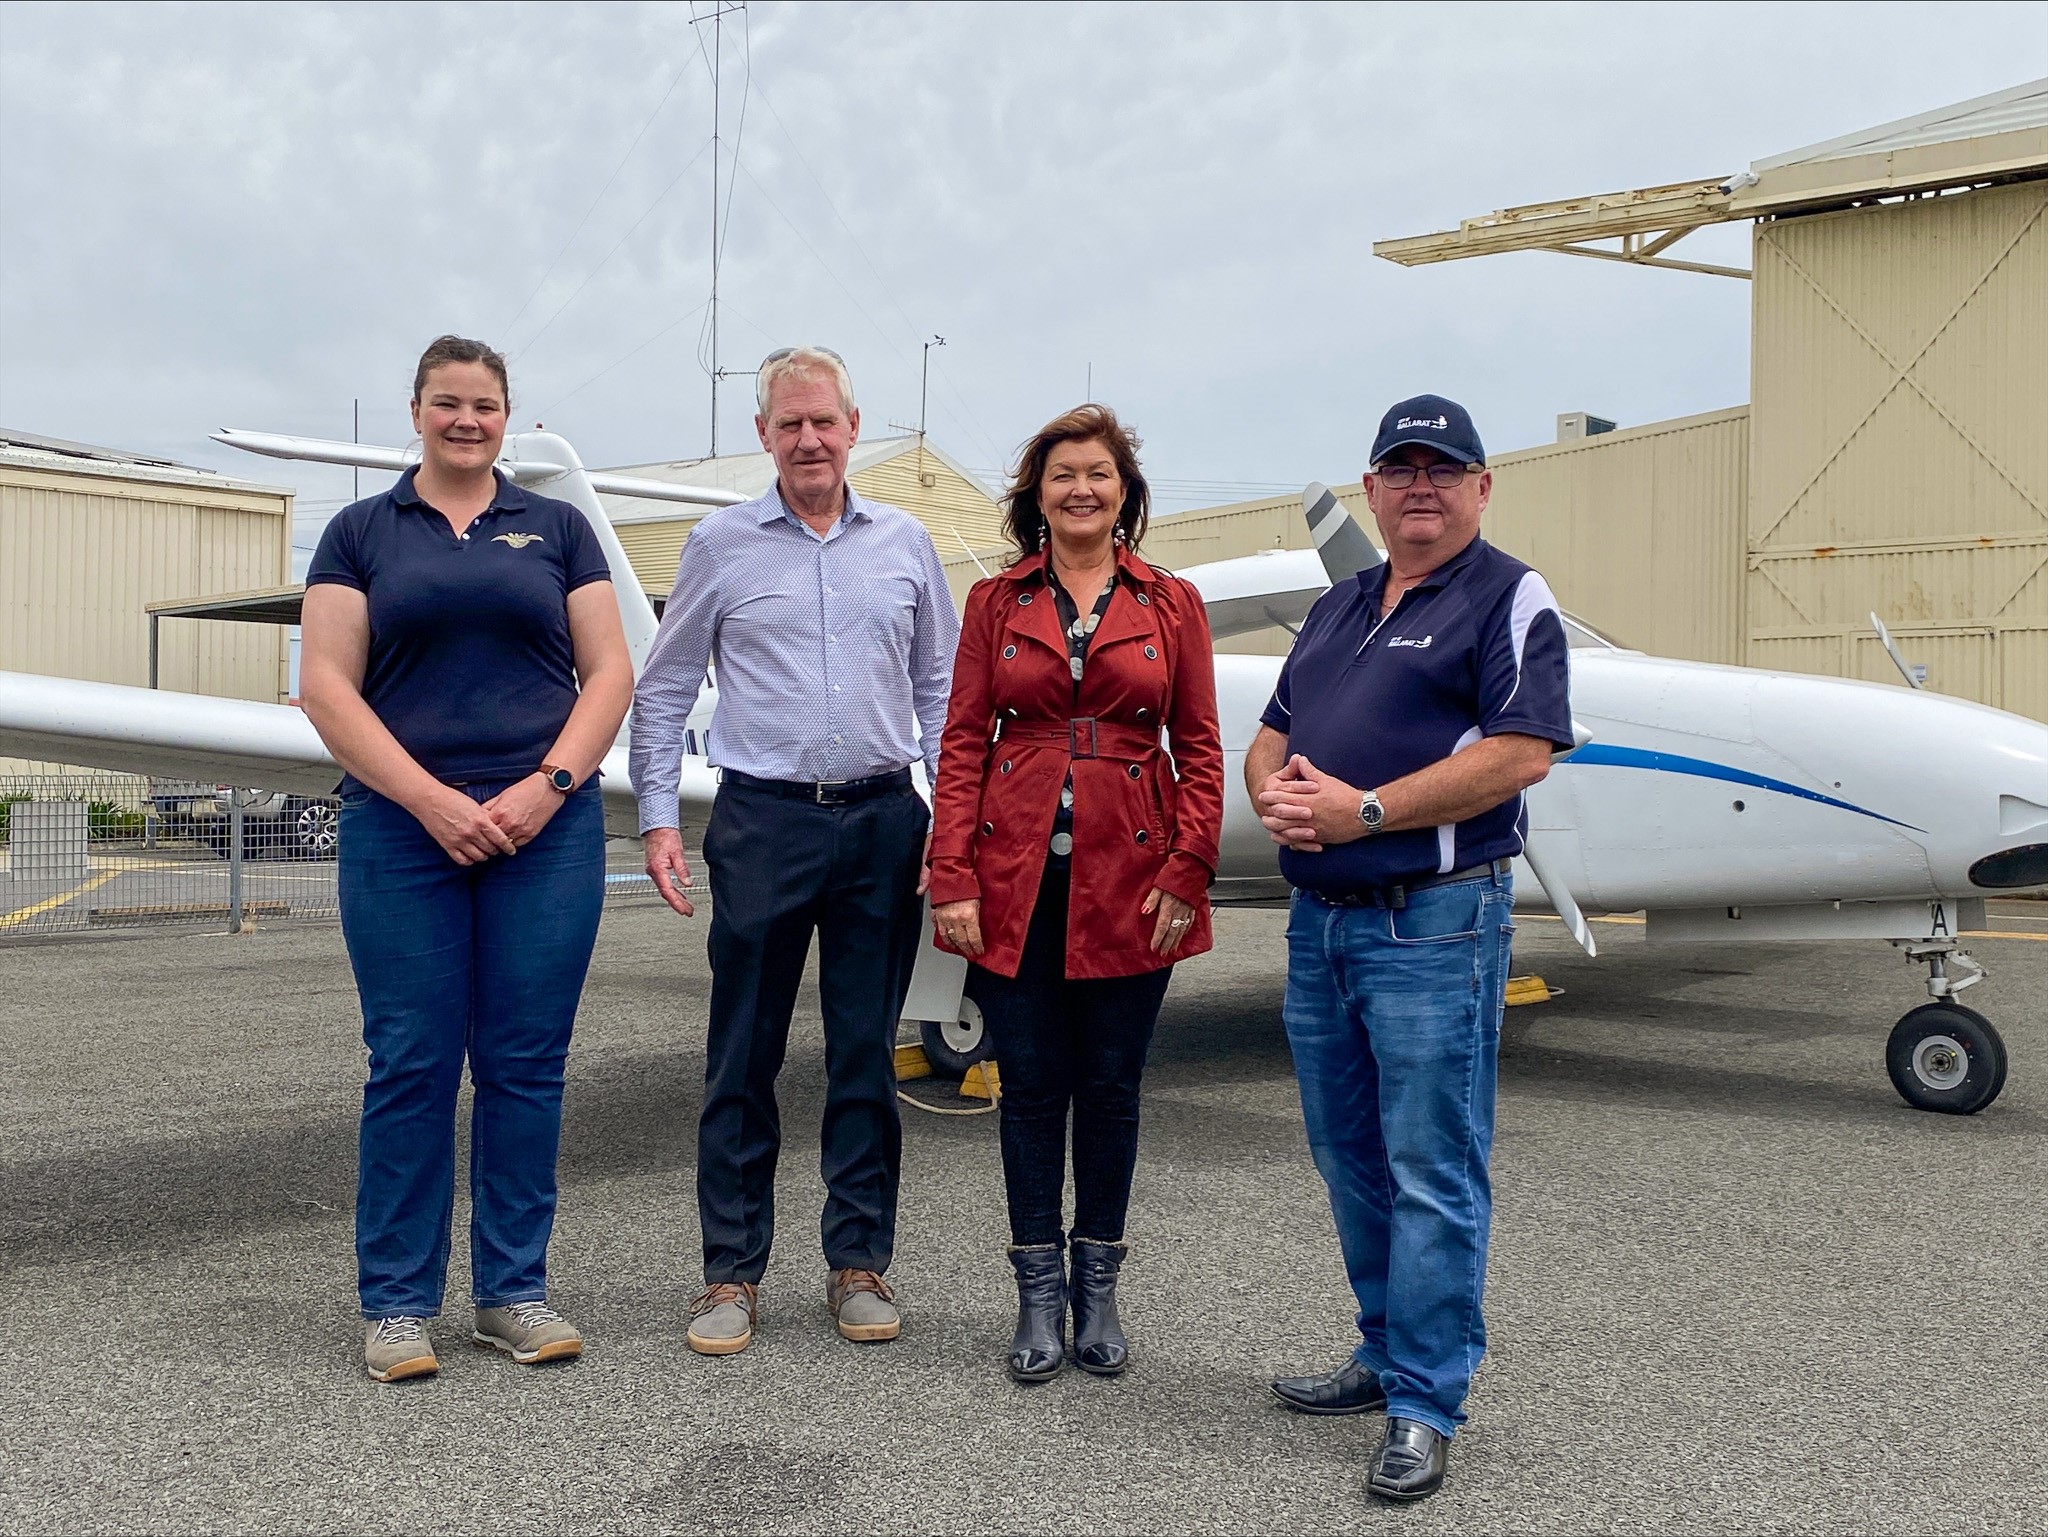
point(1946, 1058)
point(952, 1047)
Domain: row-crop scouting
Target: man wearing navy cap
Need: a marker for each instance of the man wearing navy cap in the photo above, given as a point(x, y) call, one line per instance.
point(1423, 696)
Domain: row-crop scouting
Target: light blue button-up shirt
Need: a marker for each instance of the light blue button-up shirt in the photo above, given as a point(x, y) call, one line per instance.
point(834, 654)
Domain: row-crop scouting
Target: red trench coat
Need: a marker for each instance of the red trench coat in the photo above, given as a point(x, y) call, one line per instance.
point(1141, 819)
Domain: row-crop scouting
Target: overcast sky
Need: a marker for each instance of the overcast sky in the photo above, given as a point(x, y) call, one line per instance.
point(251, 215)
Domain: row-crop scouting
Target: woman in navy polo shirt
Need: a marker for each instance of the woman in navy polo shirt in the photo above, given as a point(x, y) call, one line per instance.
point(464, 661)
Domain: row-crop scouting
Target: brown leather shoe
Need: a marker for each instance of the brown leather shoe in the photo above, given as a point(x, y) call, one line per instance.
point(722, 1318)
point(863, 1306)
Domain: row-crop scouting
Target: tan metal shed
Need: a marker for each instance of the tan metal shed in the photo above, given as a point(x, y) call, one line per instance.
point(1896, 462)
point(90, 537)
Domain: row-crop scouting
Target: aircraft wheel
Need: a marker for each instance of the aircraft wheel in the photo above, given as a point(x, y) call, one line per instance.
point(1945, 1057)
point(953, 1046)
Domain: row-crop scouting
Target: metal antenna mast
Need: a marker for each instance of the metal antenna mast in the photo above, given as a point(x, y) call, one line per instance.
point(717, 20)
point(924, 384)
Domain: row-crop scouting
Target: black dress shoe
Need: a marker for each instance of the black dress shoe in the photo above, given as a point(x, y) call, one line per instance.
point(1410, 1464)
point(1039, 1348)
point(1350, 1389)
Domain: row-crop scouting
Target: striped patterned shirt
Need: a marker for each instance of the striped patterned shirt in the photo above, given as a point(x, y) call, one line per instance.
point(834, 655)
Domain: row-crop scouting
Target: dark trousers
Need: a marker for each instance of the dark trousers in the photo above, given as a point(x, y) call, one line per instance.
point(479, 963)
point(1061, 1043)
point(781, 869)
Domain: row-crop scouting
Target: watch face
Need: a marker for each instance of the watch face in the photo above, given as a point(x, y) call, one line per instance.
point(562, 780)
point(1371, 812)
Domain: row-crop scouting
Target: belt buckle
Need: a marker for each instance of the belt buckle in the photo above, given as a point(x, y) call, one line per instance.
point(829, 784)
point(1074, 728)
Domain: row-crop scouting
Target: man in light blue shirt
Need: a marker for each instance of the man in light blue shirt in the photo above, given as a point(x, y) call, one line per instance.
point(832, 628)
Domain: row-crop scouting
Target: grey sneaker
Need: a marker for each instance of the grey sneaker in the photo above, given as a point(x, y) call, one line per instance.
point(397, 1348)
point(528, 1332)
point(722, 1318)
point(863, 1306)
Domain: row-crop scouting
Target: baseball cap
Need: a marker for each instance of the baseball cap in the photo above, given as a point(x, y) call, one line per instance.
point(1433, 422)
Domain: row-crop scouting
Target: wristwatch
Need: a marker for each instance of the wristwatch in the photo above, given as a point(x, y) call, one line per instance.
point(562, 780)
point(1371, 813)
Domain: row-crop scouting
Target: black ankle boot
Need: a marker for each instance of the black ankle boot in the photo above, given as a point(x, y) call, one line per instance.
point(1039, 1347)
point(1099, 1343)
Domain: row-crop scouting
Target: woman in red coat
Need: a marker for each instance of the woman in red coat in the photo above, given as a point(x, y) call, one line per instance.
point(1071, 855)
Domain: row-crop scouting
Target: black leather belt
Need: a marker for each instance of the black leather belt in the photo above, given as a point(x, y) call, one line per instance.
point(829, 792)
point(1397, 896)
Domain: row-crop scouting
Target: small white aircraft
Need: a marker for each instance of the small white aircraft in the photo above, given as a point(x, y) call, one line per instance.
point(1727, 803)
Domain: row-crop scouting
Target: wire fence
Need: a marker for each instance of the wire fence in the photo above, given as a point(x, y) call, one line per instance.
point(85, 852)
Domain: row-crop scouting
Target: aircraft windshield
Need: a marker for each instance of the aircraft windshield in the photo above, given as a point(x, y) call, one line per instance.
point(1581, 636)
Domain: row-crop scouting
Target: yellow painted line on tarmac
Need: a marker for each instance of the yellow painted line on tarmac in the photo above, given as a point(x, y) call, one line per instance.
point(2038, 939)
point(1553, 918)
point(22, 915)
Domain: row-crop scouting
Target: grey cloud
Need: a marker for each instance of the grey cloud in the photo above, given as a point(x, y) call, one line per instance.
point(251, 215)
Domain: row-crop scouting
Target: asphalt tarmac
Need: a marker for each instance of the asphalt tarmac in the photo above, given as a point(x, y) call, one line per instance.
point(1737, 1285)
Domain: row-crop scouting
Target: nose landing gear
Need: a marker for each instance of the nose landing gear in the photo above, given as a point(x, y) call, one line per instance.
point(1943, 1056)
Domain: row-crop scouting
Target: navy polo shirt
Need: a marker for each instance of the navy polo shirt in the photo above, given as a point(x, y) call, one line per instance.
point(471, 666)
point(1475, 649)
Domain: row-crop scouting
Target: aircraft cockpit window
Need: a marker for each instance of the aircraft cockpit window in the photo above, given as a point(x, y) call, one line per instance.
point(1581, 636)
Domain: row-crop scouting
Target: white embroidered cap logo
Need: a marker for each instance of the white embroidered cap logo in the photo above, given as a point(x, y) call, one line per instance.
point(1440, 422)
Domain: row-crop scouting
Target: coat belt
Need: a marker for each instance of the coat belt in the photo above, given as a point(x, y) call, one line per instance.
point(1084, 736)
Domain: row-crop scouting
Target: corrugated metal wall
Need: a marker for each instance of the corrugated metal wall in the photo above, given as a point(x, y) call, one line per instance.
point(81, 555)
point(1899, 462)
point(1639, 531)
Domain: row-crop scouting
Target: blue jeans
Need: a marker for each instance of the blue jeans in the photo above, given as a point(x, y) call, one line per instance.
point(479, 962)
point(1393, 1015)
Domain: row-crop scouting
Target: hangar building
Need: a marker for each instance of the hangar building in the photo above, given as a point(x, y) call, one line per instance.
point(91, 537)
point(1892, 459)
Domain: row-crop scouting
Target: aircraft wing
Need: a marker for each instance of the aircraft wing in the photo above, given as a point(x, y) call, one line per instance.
point(233, 741)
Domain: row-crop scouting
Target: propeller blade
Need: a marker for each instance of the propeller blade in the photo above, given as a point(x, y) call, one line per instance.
point(1339, 541)
point(1561, 900)
point(1891, 649)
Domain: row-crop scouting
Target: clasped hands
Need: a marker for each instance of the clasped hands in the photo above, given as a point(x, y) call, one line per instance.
point(472, 831)
point(1301, 807)
point(959, 923)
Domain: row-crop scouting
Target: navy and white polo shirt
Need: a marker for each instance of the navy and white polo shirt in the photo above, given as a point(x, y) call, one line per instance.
point(471, 666)
point(1475, 649)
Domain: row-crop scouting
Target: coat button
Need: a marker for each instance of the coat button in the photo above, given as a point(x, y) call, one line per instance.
point(1135, 772)
point(1143, 836)
point(988, 829)
point(1151, 654)
point(1023, 600)
point(1008, 652)
point(1144, 601)
point(1006, 766)
point(1144, 714)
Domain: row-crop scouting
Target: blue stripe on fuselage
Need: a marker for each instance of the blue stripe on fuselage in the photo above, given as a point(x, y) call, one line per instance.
point(1600, 755)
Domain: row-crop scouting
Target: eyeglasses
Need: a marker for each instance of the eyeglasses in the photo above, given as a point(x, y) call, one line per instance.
point(1399, 477)
point(789, 352)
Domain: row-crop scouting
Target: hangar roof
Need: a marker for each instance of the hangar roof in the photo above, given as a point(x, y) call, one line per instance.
point(33, 451)
point(2000, 137)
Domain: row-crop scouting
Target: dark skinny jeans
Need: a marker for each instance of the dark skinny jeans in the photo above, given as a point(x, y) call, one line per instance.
point(1062, 1042)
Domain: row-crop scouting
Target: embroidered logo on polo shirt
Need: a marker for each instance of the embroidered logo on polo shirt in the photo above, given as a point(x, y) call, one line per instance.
point(1419, 645)
point(517, 541)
